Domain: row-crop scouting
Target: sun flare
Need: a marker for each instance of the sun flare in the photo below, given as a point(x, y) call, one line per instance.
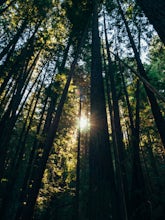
point(83, 123)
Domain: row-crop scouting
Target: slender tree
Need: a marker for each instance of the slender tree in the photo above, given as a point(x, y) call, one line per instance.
point(77, 195)
point(40, 161)
point(159, 120)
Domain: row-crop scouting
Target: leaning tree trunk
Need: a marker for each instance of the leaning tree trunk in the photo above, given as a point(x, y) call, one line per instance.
point(30, 163)
point(138, 183)
point(40, 162)
point(48, 120)
point(49, 116)
point(159, 120)
point(12, 182)
point(4, 9)
point(14, 41)
point(155, 11)
point(9, 118)
point(2, 2)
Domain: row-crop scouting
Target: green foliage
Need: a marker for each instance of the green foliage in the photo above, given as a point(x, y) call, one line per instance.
point(78, 13)
point(157, 65)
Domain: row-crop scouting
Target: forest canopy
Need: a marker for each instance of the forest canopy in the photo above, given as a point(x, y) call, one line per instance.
point(82, 109)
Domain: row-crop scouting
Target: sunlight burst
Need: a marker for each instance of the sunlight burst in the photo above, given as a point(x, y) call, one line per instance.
point(83, 123)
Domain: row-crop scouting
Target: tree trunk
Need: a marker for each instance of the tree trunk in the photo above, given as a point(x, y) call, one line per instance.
point(4, 9)
point(102, 192)
point(154, 10)
point(10, 116)
point(30, 164)
point(108, 94)
point(36, 145)
point(159, 120)
point(119, 150)
point(77, 194)
point(139, 209)
point(16, 161)
point(40, 162)
point(13, 42)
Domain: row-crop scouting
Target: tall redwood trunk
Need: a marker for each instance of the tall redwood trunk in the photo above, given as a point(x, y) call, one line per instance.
point(102, 191)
